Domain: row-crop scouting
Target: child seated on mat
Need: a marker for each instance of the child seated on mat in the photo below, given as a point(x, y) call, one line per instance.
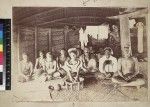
point(25, 69)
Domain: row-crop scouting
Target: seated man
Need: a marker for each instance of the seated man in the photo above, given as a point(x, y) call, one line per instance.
point(88, 61)
point(128, 71)
point(25, 69)
point(73, 66)
point(39, 65)
point(107, 64)
point(61, 59)
point(51, 67)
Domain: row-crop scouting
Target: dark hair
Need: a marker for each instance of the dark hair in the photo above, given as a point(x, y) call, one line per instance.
point(40, 51)
point(24, 53)
point(73, 51)
point(49, 53)
point(86, 47)
point(63, 49)
point(66, 54)
point(107, 48)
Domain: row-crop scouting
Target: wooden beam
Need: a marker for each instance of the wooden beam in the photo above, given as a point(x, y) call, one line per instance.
point(135, 14)
point(69, 12)
point(49, 20)
point(67, 18)
point(81, 23)
point(27, 19)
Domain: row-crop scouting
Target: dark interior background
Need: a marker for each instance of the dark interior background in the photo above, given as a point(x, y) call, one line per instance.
point(43, 28)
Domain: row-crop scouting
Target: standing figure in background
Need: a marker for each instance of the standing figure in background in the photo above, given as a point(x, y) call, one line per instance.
point(128, 71)
point(61, 59)
point(51, 67)
point(26, 69)
point(39, 65)
point(108, 64)
point(73, 66)
point(83, 37)
point(114, 41)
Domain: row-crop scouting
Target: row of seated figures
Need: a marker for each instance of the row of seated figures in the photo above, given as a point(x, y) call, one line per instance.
point(74, 68)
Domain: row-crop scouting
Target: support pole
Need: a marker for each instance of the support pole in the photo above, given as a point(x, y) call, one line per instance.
point(124, 32)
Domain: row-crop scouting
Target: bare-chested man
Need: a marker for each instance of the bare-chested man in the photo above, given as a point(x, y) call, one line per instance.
point(128, 71)
point(61, 59)
point(26, 69)
point(51, 67)
point(88, 61)
point(39, 65)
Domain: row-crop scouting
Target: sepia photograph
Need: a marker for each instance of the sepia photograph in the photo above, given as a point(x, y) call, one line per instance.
point(84, 54)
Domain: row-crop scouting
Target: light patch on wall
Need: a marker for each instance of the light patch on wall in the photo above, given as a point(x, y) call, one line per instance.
point(98, 32)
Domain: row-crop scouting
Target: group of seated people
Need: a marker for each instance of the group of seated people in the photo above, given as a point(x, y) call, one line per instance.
point(72, 64)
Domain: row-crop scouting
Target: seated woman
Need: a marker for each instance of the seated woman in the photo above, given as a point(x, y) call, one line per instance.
point(39, 65)
point(25, 69)
point(61, 59)
point(128, 71)
point(107, 64)
point(88, 61)
point(73, 66)
point(51, 67)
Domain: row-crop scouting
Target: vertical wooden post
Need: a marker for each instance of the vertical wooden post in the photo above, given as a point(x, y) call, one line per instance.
point(147, 21)
point(36, 35)
point(66, 30)
point(124, 32)
point(148, 37)
point(18, 46)
point(50, 40)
